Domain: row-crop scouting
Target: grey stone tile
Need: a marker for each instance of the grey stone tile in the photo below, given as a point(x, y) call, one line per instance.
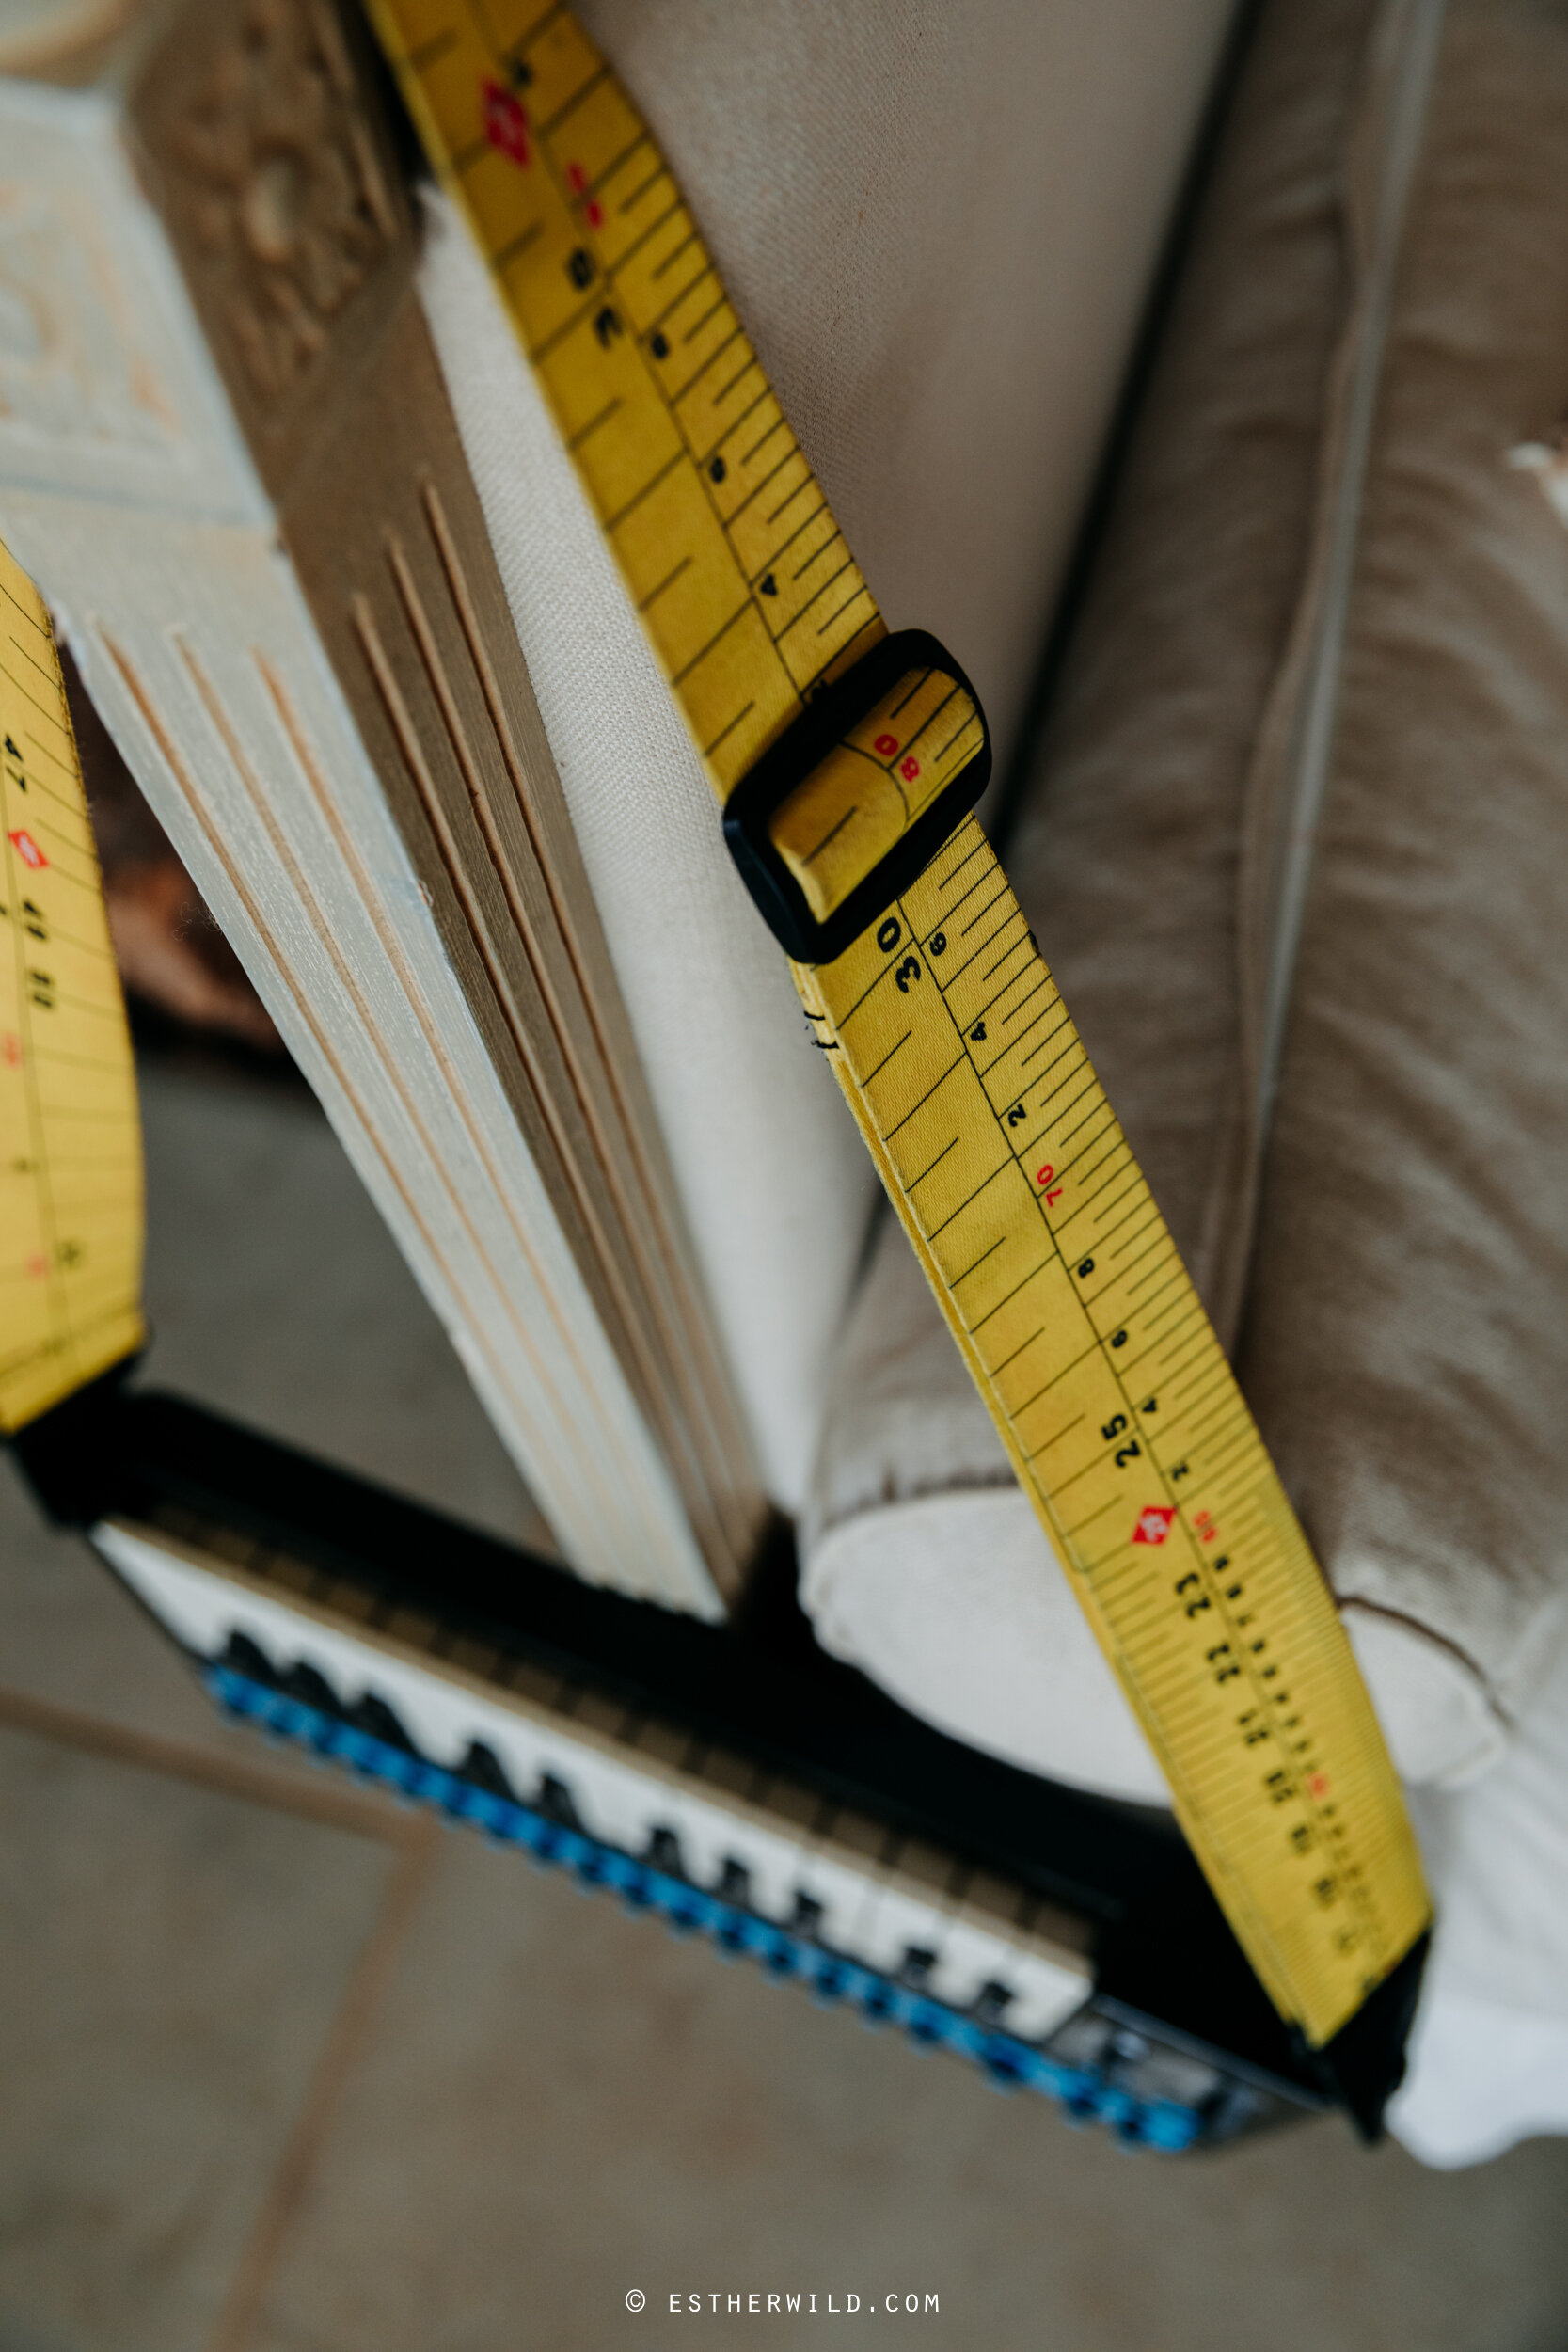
point(555, 2104)
point(276, 1294)
point(172, 1962)
point(559, 2104)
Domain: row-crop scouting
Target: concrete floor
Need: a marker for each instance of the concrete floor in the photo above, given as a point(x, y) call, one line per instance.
point(284, 2069)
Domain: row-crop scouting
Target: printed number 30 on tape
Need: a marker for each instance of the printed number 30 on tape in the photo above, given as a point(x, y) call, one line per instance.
point(71, 1169)
point(846, 762)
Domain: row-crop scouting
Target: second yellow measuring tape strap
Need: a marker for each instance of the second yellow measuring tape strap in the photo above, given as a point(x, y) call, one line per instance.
point(848, 762)
point(70, 1171)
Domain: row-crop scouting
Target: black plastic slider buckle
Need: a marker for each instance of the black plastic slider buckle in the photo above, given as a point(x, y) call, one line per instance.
point(802, 749)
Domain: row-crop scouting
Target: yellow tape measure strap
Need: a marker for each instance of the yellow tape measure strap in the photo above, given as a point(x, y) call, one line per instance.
point(976, 1099)
point(70, 1171)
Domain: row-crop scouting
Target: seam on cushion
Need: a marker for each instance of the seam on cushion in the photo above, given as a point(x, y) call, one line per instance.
point(1439, 1641)
point(820, 1542)
point(889, 1497)
point(1288, 781)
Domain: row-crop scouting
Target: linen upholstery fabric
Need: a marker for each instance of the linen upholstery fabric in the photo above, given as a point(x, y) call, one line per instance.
point(1126, 857)
point(938, 227)
point(1389, 1250)
point(1489, 2055)
point(1405, 1343)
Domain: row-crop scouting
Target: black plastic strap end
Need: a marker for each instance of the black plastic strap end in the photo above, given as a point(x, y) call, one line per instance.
point(1365, 2063)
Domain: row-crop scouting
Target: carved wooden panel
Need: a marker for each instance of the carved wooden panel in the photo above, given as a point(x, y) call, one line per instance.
point(226, 452)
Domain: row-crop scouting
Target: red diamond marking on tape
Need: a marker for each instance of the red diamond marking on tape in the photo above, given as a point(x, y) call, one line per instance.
point(505, 123)
point(27, 850)
point(593, 211)
point(1154, 1524)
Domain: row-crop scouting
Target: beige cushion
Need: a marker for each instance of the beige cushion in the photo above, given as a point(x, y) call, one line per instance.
point(1391, 1244)
point(939, 226)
